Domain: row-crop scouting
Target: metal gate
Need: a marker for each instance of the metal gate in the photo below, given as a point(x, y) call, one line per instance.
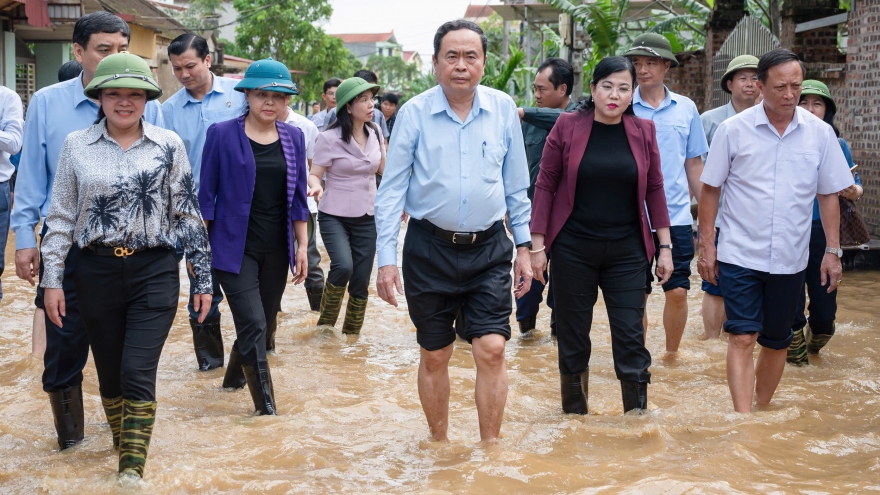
point(748, 37)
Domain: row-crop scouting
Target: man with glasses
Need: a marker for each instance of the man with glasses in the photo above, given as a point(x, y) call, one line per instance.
point(329, 97)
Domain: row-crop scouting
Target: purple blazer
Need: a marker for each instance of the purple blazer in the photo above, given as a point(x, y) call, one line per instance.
point(229, 172)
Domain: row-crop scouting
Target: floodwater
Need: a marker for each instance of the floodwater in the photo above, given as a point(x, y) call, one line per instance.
point(350, 419)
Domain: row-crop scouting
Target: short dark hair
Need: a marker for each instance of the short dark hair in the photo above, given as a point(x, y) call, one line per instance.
point(455, 26)
point(367, 75)
point(98, 22)
point(777, 56)
point(391, 98)
point(187, 41)
point(562, 73)
point(331, 83)
point(606, 67)
point(69, 70)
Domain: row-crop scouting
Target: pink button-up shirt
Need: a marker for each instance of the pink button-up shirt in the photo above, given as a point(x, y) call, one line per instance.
point(351, 173)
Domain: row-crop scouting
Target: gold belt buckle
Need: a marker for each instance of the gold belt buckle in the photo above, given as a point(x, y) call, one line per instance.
point(122, 252)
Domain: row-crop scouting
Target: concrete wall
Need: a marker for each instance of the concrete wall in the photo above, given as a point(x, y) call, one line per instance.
point(8, 74)
point(50, 57)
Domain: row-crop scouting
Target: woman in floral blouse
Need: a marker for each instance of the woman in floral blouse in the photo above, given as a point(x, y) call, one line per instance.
point(124, 194)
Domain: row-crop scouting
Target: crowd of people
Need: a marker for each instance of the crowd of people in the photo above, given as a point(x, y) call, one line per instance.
point(596, 194)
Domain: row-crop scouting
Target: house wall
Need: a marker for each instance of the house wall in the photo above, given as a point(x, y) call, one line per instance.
point(688, 78)
point(50, 57)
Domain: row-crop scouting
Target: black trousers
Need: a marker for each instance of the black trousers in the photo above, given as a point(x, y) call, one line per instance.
point(351, 245)
point(128, 306)
point(254, 297)
point(580, 268)
point(823, 306)
point(67, 347)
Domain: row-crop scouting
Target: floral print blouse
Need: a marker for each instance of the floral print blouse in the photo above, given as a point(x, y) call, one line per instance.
point(140, 198)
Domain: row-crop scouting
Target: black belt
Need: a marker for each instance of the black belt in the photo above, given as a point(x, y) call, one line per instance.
point(118, 252)
point(459, 237)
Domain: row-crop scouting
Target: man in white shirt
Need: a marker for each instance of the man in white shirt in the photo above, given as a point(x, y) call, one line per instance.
point(11, 130)
point(772, 160)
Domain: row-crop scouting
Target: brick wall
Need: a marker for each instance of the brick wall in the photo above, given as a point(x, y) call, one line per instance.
point(688, 78)
point(859, 114)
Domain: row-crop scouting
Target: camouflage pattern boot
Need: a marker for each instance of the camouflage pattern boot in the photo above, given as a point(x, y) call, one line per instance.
point(138, 417)
point(331, 303)
point(797, 350)
point(354, 315)
point(817, 342)
point(113, 411)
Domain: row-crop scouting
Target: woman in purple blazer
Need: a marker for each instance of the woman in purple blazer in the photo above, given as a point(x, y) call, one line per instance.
point(599, 170)
point(253, 200)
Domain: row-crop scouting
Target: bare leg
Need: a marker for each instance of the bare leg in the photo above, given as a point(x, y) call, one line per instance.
point(713, 315)
point(768, 372)
point(741, 370)
point(491, 388)
point(675, 315)
point(434, 390)
point(38, 337)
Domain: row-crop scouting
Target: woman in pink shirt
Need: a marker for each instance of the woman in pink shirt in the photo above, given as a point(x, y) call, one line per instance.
point(350, 152)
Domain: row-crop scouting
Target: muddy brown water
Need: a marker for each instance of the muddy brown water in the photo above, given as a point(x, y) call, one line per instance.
point(350, 419)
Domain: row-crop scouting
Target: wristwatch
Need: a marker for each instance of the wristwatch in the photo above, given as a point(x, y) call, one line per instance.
point(837, 251)
point(665, 246)
point(527, 244)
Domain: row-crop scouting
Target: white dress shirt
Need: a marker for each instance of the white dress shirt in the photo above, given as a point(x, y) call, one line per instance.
point(310, 132)
point(11, 130)
point(770, 182)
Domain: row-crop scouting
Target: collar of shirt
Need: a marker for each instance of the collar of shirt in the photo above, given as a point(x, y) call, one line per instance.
point(762, 119)
point(668, 100)
point(441, 104)
point(216, 87)
point(99, 131)
point(79, 95)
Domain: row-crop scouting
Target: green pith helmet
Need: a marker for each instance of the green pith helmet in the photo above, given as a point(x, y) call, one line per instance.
point(818, 88)
point(741, 62)
point(352, 87)
point(268, 75)
point(123, 70)
point(652, 45)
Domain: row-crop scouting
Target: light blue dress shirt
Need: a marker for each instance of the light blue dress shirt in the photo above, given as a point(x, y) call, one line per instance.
point(190, 118)
point(53, 113)
point(679, 136)
point(11, 124)
point(460, 176)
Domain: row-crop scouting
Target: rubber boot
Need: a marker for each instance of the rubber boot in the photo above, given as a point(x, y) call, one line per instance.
point(574, 392)
point(138, 417)
point(354, 315)
point(315, 294)
point(797, 350)
point(208, 343)
point(635, 396)
point(270, 335)
point(67, 408)
point(817, 342)
point(234, 377)
point(113, 411)
point(331, 303)
point(527, 324)
point(259, 382)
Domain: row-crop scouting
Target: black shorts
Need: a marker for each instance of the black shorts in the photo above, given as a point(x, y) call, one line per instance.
point(442, 278)
point(682, 255)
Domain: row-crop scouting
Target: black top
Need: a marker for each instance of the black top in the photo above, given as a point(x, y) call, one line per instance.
point(606, 195)
point(266, 229)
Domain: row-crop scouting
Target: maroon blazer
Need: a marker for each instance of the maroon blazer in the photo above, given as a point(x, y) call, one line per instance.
point(563, 152)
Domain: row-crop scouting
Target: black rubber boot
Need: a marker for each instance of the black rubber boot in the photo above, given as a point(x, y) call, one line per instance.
point(259, 382)
point(528, 324)
point(208, 343)
point(574, 392)
point(635, 396)
point(315, 294)
point(67, 407)
point(270, 335)
point(234, 377)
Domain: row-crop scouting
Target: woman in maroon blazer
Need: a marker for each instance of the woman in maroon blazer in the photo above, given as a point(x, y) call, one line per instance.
point(599, 170)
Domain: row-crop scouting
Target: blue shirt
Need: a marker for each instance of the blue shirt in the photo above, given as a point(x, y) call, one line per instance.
point(53, 113)
point(680, 136)
point(847, 153)
point(190, 118)
point(460, 176)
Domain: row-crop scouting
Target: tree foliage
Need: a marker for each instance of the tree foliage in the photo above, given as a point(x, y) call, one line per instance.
point(287, 30)
point(393, 72)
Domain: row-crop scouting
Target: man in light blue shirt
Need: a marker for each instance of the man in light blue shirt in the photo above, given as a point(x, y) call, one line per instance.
point(203, 100)
point(53, 113)
point(11, 123)
point(682, 144)
point(457, 165)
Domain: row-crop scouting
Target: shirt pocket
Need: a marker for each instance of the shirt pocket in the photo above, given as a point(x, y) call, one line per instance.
point(803, 169)
point(492, 163)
